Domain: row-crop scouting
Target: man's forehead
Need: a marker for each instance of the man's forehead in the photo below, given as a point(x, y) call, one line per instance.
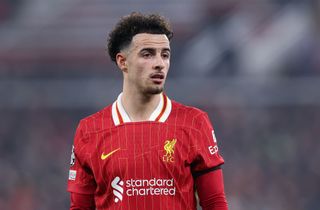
point(150, 40)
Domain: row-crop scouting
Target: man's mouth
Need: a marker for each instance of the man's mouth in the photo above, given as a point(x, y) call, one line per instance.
point(157, 78)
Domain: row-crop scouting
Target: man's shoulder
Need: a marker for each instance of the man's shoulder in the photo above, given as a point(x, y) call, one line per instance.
point(98, 121)
point(189, 116)
point(182, 109)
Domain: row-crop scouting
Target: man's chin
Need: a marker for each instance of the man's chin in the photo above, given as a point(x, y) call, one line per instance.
point(154, 90)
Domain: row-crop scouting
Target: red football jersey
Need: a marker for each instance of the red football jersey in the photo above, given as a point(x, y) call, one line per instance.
point(143, 165)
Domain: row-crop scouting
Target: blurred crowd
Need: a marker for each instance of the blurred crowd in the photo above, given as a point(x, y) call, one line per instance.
point(255, 38)
point(271, 150)
point(271, 156)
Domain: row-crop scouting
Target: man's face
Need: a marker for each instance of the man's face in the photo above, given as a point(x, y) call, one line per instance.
point(147, 62)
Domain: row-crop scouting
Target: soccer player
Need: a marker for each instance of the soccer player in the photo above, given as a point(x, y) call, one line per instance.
point(145, 151)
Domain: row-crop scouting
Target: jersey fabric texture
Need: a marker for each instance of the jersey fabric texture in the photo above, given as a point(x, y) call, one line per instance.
point(143, 165)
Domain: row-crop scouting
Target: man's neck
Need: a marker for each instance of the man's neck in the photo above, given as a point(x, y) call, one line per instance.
point(139, 107)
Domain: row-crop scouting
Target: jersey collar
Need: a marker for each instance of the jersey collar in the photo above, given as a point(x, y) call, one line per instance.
point(160, 114)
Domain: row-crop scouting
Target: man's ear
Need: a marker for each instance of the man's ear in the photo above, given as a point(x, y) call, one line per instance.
point(121, 60)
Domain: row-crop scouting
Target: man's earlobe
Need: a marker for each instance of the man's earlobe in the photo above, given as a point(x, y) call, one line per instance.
point(124, 66)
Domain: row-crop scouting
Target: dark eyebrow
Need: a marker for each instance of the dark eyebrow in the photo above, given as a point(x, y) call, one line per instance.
point(147, 49)
point(153, 49)
point(166, 49)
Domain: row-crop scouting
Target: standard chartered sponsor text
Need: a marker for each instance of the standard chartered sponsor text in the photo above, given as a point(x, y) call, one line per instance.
point(142, 187)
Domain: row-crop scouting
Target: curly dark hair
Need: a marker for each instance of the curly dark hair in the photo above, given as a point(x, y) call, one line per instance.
point(135, 23)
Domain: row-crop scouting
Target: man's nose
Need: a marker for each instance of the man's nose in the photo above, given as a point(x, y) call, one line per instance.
point(159, 63)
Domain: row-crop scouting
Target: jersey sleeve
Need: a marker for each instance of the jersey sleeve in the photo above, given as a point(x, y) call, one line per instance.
point(211, 193)
point(206, 155)
point(81, 179)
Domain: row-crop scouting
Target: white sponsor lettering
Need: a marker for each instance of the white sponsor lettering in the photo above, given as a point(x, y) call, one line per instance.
point(149, 182)
point(214, 137)
point(213, 149)
point(150, 191)
point(117, 184)
point(143, 187)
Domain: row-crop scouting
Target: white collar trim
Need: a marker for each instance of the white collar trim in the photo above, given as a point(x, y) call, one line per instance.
point(160, 114)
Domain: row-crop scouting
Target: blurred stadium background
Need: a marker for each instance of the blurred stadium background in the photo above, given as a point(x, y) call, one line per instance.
point(253, 65)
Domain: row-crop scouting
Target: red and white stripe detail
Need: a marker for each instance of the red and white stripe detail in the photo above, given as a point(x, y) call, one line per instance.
point(160, 114)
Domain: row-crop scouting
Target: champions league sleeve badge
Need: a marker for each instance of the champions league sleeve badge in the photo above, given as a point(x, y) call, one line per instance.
point(73, 157)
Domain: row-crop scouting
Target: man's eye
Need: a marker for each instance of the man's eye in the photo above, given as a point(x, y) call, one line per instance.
point(146, 55)
point(166, 55)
